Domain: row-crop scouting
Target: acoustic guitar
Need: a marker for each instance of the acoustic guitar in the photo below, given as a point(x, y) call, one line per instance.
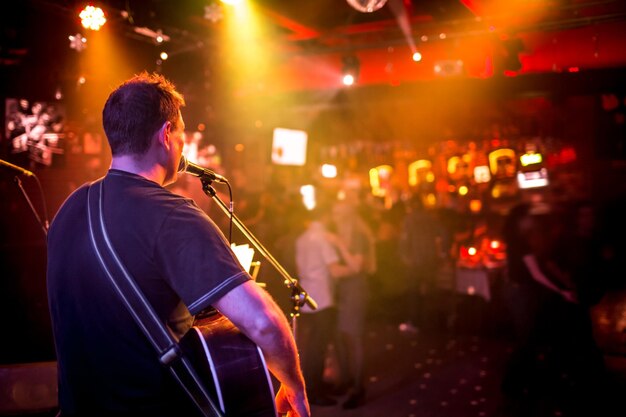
point(231, 367)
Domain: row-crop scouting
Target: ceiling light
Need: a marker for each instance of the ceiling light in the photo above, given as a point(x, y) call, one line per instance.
point(348, 79)
point(92, 18)
point(350, 71)
point(366, 6)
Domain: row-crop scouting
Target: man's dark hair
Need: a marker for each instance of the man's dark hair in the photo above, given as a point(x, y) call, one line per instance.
point(137, 109)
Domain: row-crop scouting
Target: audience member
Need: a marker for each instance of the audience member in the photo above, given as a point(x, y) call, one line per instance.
point(351, 298)
point(555, 350)
point(318, 263)
point(420, 240)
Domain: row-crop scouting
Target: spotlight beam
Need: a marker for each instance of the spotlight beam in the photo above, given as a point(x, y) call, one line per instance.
point(154, 35)
point(402, 17)
point(300, 32)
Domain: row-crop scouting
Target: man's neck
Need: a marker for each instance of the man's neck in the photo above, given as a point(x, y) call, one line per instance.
point(134, 165)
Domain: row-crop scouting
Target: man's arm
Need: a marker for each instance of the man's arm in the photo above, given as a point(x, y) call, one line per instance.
point(537, 274)
point(354, 262)
point(253, 311)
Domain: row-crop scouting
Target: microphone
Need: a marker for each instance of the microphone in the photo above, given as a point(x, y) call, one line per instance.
point(16, 168)
point(198, 171)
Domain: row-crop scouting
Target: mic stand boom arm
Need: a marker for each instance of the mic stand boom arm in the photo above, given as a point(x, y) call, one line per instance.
point(44, 225)
point(298, 295)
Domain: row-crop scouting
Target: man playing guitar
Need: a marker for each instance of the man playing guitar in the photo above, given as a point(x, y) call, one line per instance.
point(179, 259)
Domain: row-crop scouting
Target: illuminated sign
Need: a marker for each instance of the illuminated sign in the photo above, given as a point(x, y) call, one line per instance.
point(289, 147)
point(502, 162)
point(532, 179)
point(415, 168)
point(482, 174)
point(531, 159)
point(379, 179)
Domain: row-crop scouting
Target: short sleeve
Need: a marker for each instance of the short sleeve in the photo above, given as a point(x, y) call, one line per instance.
point(195, 258)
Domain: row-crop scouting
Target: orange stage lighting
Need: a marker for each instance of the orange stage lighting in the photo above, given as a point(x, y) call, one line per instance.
point(92, 17)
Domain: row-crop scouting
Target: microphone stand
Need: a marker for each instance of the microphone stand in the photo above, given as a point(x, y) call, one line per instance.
point(44, 226)
point(299, 296)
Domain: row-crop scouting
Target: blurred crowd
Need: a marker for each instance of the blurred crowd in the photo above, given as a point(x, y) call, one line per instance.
point(546, 264)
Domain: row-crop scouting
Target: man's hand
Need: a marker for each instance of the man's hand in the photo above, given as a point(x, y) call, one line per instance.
point(292, 403)
point(255, 313)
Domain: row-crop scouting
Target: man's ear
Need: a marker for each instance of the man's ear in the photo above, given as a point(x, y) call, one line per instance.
point(165, 134)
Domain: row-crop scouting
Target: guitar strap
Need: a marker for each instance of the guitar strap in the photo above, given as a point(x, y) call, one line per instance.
point(166, 346)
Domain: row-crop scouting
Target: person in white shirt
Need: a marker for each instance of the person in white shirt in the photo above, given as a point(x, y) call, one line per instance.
point(318, 263)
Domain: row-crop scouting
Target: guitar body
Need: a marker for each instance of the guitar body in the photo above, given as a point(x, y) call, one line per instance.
point(231, 367)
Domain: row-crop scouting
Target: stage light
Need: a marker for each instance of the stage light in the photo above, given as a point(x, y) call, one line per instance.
point(92, 17)
point(157, 36)
point(78, 42)
point(417, 57)
point(351, 67)
point(164, 56)
point(213, 12)
point(463, 190)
